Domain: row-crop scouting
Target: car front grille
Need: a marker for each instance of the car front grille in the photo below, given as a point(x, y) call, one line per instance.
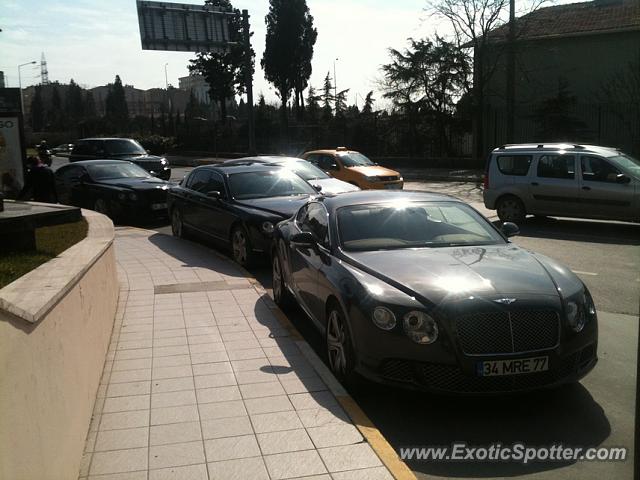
point(389, 178)
point(505, 332)
point(450, 378)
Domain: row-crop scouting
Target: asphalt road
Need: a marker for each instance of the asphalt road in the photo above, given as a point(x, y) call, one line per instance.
point(597, 412)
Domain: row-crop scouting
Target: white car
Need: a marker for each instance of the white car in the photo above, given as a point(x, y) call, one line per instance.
point(320, 180)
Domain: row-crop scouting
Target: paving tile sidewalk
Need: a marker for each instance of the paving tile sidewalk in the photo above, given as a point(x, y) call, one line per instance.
point(203, 382)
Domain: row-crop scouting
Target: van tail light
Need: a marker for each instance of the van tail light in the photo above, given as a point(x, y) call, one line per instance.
point(485, 181)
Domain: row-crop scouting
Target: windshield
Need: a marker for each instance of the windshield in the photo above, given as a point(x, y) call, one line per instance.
point(627, 162)
point(411, 225)
point(124, 147)
point(354, 159)
point(304, 169)
point(108, 171)
point(279, 183)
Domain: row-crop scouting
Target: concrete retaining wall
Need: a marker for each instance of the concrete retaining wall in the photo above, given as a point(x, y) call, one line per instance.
point(55, 326)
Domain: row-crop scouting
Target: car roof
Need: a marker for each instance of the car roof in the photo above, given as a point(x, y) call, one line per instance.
point(554, 147)
point(263, 159)
point(228, 169)
point(331, 151)
point(102, 138)
point(97, 162)
point(363, 197)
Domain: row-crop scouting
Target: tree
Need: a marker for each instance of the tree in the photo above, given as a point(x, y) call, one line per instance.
point(368, 103)
point(54, 115)
point(341, 101)
point(89, 105)
point(288, 48)
point(327, 97)
point(37, 110)
point(555, 118)
point(74, 103)
point(224, 71)
point(313, 104)
point(116, 104)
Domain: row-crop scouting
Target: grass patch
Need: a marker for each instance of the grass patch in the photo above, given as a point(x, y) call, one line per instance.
point(50, 242)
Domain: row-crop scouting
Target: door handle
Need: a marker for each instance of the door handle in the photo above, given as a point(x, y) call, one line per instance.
point(535, 184)
point(586, 188)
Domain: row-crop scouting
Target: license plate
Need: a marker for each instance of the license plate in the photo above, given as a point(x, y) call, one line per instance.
point(393, 186)
point(158, 206)
point(512, 367)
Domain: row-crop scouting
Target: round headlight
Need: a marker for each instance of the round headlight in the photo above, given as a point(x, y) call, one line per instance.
point(163, 161)
point(267, 227)
point(575, 316)
point(384, 318)
point(133, 196)
point(122, 196)
point(420, 327)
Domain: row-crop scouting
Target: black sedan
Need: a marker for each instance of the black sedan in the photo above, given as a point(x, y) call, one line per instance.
point(420, 290)
point(237, 205)
point(115, 188)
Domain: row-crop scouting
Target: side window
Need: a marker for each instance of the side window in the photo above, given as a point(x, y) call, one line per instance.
point(596, 169)
point(556, 166)
point(313, 158)
point(81, 148)
point(514, 164)
point(301, 215)
point(316, 222)
point(327, 162)
point(216, 184)
point(71, 176)
point(198, 180)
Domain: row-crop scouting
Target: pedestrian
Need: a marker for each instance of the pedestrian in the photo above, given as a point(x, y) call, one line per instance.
point(40, 183)
point(43, 153)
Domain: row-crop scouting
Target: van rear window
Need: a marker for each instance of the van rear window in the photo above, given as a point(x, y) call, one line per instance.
point(514, 164)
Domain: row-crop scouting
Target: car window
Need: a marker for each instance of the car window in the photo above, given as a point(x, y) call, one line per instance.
point(81, 149)
point(315, 220)
point(124, 146)
point(413, 225)
point(327, 162)
point(263, 184)
point(556, 166)
point(304, 169)
point(215, 184)
point(199, 180)
point(514, 164)
point(107, 171)
point(354, 159)
point(70, 176)
point(597, 169)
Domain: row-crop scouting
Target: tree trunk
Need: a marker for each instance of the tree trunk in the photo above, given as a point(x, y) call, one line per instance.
point(478, 106)
point(223, 109)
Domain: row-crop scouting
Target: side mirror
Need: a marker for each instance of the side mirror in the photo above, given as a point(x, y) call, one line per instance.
point(303, 240)
point(622, 178)
point(214, 194)
point(510, 229)
point(318, 188)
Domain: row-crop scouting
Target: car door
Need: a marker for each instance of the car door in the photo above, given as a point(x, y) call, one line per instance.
point(603, 195)
point(196, 184)
point(214, 215)
point(555, 187)
point(306, 262)
point(70, 187)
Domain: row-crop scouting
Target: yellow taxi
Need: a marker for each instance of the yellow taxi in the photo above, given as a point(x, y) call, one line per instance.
point(353, 167)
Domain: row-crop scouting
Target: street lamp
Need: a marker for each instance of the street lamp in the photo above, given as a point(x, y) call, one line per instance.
point(166, 81)
point(20, 83)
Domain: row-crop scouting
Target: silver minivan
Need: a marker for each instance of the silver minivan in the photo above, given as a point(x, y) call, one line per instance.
point(562, 180)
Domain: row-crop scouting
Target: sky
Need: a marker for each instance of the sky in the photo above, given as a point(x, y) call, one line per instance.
point(93, 40)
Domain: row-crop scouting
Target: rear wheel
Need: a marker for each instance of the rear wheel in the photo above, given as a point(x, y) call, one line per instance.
point(241, 247)
point(339, 347)
point(177, 225)
point(511, 209)
point(281, 294)
point(102, 206)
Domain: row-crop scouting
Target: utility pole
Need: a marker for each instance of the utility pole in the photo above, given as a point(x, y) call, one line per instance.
point(248, 80)
point(20, 83)
point(511, 72)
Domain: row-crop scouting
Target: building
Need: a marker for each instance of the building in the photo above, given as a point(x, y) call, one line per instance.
point(2, 82)
point(198, 85)
point(570, 62)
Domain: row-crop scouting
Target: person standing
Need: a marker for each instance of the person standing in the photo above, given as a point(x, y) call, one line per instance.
point(40, 183)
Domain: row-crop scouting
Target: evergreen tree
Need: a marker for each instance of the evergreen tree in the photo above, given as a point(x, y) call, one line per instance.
point(368, 103)
point(55, 110)
point(327, 98)
point(89, 105)
point(74, 104)
point(313, 105)
point(116, 105)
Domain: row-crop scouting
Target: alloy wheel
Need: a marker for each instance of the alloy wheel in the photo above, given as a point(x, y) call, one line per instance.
point(176, 224)
point(511, 210)
point(336, 346)
point(277, 279)
point(239, 244)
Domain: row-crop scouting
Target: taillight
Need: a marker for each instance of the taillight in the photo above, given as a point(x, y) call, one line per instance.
point(485, 180)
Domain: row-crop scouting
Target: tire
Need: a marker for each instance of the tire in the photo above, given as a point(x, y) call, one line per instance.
point(339, 348)
point(102, 206)
point(281, 294)
point(511, 209)
point(177, 224)
point(241, 247)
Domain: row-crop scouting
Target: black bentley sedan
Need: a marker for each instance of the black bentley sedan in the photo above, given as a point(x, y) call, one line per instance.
point(237, 205)
point(420, 290)
point(115, 188)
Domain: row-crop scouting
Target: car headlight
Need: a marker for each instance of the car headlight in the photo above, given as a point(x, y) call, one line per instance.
point(579, 312)
point(133, 196)
point(383, 318)
point(267, 227)
point(122, 196)
point(373, 179)
point(420, 327)
point(163, 161)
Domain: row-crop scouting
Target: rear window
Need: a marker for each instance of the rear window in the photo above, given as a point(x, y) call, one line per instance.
point(514, 164)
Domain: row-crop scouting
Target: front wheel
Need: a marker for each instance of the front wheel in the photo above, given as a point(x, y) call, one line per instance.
point(241, 247)
point(511, 209)
point(177, 225)
point(339, 347)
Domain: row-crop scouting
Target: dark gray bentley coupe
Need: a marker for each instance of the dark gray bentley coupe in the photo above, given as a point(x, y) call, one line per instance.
point(420, 290)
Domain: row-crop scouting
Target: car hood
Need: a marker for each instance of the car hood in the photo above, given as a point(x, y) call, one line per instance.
point(333, 185)
point(136, 183)
point(140, 158)
point(374, 171)
point(284, 207)
point(436, 275)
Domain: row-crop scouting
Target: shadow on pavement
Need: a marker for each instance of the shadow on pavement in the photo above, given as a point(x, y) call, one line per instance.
point(581, 230)
point(568, 415)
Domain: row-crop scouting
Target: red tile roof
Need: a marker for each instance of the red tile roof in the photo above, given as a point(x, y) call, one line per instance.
point(576, 19)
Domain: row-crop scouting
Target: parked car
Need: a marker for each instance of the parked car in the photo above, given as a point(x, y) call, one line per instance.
point(120, 149)
point(419, 290)
point(62, 150)
point(353, 167)
point(307, 171)
point(115, 188)
point(237, 205)
point(583, 181)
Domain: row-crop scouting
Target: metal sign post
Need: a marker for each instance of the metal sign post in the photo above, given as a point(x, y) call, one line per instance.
point(12, 151)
